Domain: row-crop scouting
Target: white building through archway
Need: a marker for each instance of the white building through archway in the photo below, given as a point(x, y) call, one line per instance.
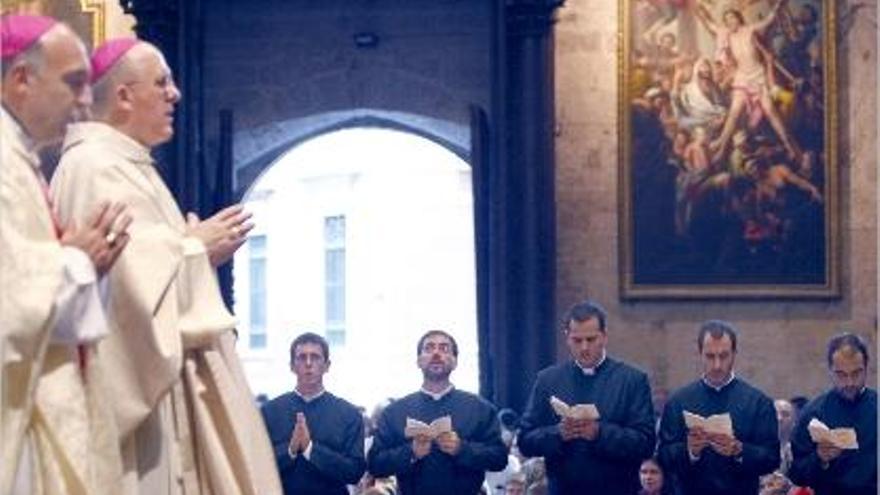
point(365, 236)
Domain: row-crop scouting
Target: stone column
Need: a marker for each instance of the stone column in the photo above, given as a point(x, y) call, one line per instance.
point(524, 319)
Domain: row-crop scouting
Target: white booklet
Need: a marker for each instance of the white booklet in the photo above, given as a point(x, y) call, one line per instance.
point(717, 423)
point(842, 438)
point(437, 427)
point(577, 411)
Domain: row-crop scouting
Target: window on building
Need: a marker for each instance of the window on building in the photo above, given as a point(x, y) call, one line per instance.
point(257, 251)
point(372, 244)
point(334, 279)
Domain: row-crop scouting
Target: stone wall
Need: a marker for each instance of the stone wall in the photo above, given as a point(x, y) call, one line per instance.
point(782, 342)
point(290, 69)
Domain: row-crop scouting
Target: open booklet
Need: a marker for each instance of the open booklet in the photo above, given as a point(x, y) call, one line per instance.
point(577, 411)
point(437, 427)
point(842, 438)
point(716, 424)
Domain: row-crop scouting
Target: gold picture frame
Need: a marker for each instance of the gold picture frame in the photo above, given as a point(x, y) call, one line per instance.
point(728, 173)
point(87, 17)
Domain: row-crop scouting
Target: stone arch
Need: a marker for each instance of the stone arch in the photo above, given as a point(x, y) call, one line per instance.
point(256, 150)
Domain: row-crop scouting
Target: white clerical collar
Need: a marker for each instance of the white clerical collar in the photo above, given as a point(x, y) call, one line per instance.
point(309, 398)
point(22, 134)
point(438, 395)
point(591, 370)
point(719, 387)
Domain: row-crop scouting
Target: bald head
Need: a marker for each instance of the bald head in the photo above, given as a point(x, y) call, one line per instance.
point(136, 94)
point(113, 66)
point(46, 86)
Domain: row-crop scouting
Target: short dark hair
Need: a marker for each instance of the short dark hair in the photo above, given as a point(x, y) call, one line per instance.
point(583, 311)
point(847, 339)
point(310, 338)
point(717, 329)
point(508, 418)
point(431, 333)
point(654, 459)
point(799, 401)
point(739, 16)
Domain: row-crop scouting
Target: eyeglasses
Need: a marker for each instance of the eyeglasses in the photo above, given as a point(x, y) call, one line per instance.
point(164, 83)
point(307, 358)
point(443, 347)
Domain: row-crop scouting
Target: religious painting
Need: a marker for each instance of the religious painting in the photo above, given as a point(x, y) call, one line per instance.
point(86, 17)
point(728, 166)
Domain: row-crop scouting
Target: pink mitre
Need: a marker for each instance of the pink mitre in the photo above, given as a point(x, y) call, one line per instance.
point(19, 32)
point(108, 54)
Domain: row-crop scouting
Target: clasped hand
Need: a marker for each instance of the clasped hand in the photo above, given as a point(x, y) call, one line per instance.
point(570, 429)
point(301, 436)
point(725, 445)
point(103, 237)
point(448, 442)
point(827, 452)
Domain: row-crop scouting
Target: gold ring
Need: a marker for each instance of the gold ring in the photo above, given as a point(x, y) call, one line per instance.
point(110, 237)
point(237, 230)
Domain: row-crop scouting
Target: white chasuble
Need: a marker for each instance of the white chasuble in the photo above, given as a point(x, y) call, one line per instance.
point(186, 418)
point(50, 416)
